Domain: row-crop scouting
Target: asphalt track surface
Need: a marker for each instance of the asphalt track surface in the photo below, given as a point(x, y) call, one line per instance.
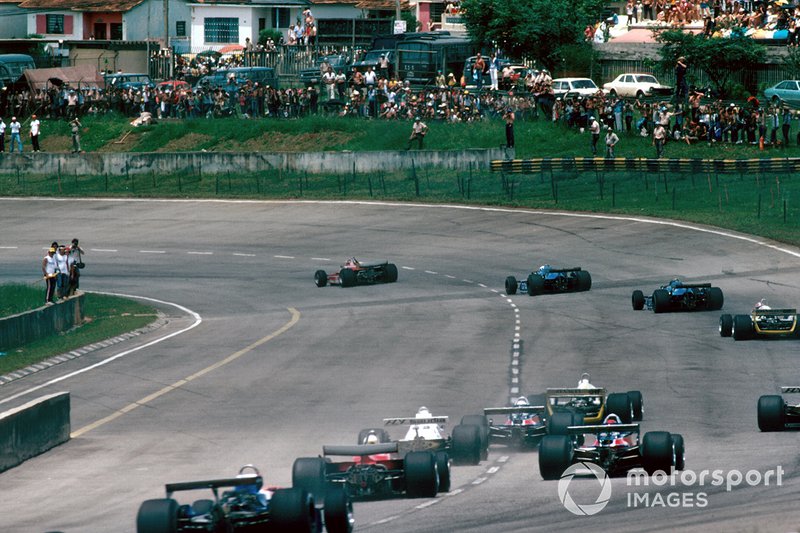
point(275, 367)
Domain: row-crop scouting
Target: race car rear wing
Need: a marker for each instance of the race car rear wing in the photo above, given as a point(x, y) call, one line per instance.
point(694, 286)
point(214, 484)
point(513, 410)
point(774, 312)
point(603, 428)
point(414, 421)
point(560, 393)
point(360, 449)
point(790, 390)
point(575, 269)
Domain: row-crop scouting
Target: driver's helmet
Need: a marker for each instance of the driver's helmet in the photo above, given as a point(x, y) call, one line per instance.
point(522, 401)
point(545, 268)
point(761, 304)
point(372, 438)
point(612, 419)
point(583, 383)
point(675, 283)
point(423, 412)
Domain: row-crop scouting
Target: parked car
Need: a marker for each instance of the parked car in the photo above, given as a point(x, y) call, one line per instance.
point(122, 80)
point(373, 59)
point(786, 91)
point(636, 85)
point(173, 85)
point(574, 87)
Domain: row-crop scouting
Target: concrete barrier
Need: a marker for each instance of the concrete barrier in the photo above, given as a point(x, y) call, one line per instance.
point(33, 428)
point(193, 163)
point(17, 330)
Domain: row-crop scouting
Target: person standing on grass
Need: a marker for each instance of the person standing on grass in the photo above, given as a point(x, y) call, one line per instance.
point(75, 125)
point(594, 129)
point(49, 272)
point(509, 118)
point(418, 131)
point(35, 126)
point(2, 136)
point(659, 136)
point(15, 138)
point(611, 141)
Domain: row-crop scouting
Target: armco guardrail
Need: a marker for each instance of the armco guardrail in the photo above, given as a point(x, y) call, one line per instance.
point(638, 164)
point(33, 428)
point(19, 329)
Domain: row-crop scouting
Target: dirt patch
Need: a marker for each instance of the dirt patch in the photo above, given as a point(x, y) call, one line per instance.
point(187, 143)
point(54, 143)
point(282, 142)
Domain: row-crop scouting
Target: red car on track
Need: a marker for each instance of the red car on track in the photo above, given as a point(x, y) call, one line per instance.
point(355, 272)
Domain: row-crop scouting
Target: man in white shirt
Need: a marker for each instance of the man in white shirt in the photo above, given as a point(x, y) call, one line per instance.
point(35, 125)
point(370, 78)
point(329, 81)
point(15, 138)
point(62, 267)
point(2, 136)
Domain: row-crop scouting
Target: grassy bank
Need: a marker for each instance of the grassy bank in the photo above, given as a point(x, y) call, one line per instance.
point(106, 317)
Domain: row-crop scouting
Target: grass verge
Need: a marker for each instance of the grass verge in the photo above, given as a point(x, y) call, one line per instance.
point(105, 317)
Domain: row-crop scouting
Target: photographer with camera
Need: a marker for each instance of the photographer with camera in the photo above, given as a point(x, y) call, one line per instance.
point(76, 264)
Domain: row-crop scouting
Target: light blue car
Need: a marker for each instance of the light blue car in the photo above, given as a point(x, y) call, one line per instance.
point(787, 91)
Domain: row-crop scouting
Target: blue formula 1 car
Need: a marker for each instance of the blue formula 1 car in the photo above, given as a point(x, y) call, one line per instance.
point(549, 279)
point(679, 296)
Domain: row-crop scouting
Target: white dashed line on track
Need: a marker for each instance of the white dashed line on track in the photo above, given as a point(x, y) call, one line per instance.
point(320, 259)
point(243, 255)
point(448, 276)
point(8, 247)
point(426, 504)
point(431, 272)
point(388, 519)
point(481, 285)
point(454, 492)
point(514, 390)
point(109, 250)
point(409, 268)
point(467, 281)
point(200, 253)
point(479, 481)
point(283, 257)
point(502, 459)
point(493, 470)
point(152, 252)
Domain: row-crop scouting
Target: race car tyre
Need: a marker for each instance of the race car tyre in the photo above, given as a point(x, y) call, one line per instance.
point(483, 423)
point(637, 300)
point(382, 434)
point(293, 510)
point(658, 453)
point(421, 478)
point(391, 273)
point(308, 473)
point(584, 280)
point(578, 420)
point(201, 507)
point(511, 285)
point(715, 299)
point(620, 404)
point(338, 514)
point(320, 278)
point(535, 284)
point(660, 300)
point(157, 516)
point(742, 327)
point(680, 451)
point(771, 413)
point(466, 445)
point(443, 468)
point(555, 456)
point(347, 277)
point(725, 325)
point(637, 400)
point(558, 423)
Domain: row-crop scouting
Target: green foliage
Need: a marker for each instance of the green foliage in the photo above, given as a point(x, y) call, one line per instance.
point(791, 62)
point(18, 298)
point(269, 33)
point(531, 28)
point(579, 59)
point(719, 58)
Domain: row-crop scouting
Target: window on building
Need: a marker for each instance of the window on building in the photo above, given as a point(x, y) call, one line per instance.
point(180, 28)
point(55, 24)
point(281, 17)
point(221, 30)
point(115, 31)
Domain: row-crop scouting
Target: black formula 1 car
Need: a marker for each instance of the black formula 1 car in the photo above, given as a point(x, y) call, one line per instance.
point(354, 272)
point(616, 449)
point(374, 471)
point(549, 279)
point(246, 505)
point(587, 404)
point(763, 321)
point(776, 414)
point(523, 425)
point(679, 296)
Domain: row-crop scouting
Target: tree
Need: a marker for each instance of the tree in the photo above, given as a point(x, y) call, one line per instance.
point(531, 28)
point(718, 57)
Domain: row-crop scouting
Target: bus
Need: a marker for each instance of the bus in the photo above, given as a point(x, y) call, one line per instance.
point(420, 60)
point(12, 66)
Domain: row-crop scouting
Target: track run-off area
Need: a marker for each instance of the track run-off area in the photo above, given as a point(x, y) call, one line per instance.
point(255, 364)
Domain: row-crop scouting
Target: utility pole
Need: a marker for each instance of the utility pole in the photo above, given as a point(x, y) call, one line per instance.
point(166, 23)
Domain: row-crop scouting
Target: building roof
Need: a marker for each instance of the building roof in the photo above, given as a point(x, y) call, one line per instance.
point(98, 6)
point(367, 4)
point(78, 77)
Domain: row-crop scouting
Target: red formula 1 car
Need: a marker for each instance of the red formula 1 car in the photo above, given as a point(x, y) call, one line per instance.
point(354, 272)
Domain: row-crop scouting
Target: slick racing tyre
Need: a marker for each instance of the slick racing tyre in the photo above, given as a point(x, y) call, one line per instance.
point(293, 510)
point(725, 325)
point(680, 451)
point(320, 278)
point(420, 472)
point(391, 273)
point(660, 301)
point(555, 456)
point(715, 300)
point(443, 469)
point(535, 284)
point(308, 473)
point(771, 413)
point(511, 285)
point(637, 300)
point(483, 429)
point(658, 452)
point(620, 404)
point(338, 514)
point(157, 516)
point(637, 401)
point(558, 423)
point(742, 327)
point(466, 445)
point(347, 277)
point(584, 280)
